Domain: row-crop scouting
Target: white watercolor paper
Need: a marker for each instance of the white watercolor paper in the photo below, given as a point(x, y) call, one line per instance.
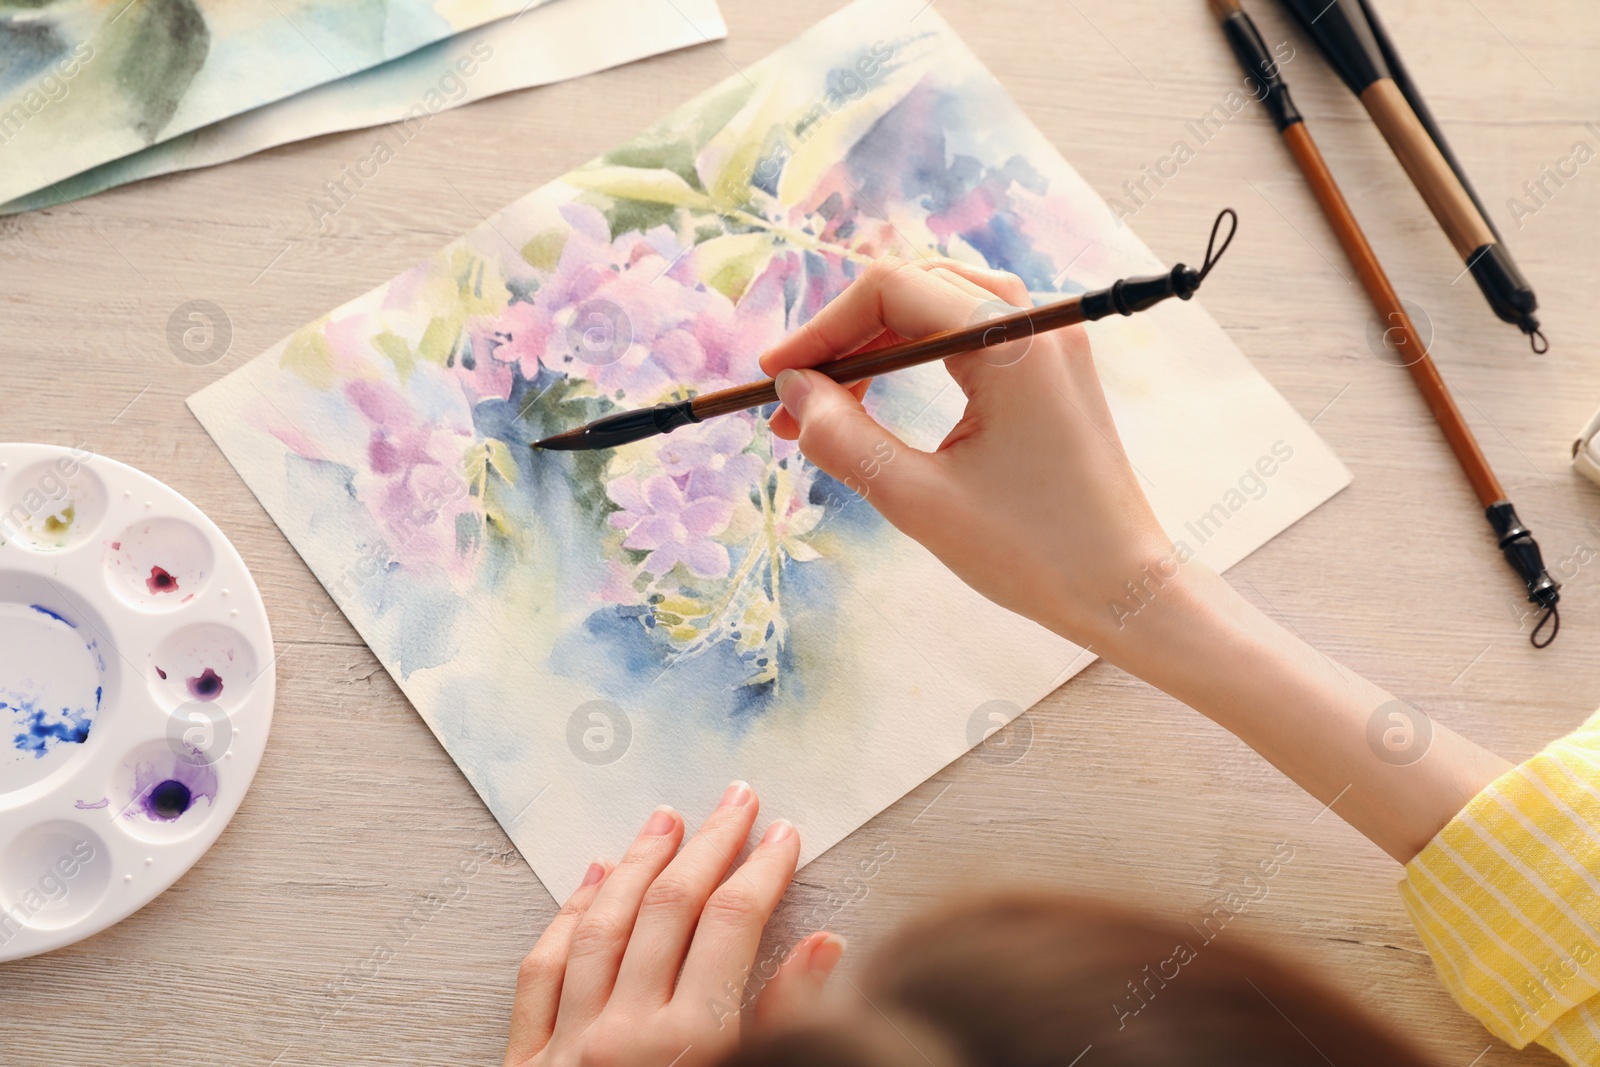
point(591, 635)
point(541, 46)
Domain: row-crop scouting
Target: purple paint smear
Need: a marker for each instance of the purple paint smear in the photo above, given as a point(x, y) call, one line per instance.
point(167, 786)
point(207, 685)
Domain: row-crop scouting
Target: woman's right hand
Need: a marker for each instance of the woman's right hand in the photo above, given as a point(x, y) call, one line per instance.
point(1030, 499)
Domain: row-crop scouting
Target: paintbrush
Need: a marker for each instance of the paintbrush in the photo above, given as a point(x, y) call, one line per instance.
point(1516, 542)
point(1362, 54)
point(1123, 297)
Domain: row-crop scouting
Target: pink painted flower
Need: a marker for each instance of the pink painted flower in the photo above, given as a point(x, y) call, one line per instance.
point(708, 446)
point(662, 520)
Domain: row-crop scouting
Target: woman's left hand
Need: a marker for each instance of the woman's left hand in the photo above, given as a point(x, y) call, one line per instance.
point(648, 960)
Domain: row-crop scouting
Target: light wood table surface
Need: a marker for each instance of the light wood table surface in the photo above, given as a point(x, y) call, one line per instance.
point(357, 813)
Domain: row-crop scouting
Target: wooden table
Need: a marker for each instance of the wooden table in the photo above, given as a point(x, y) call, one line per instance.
point(357, 813)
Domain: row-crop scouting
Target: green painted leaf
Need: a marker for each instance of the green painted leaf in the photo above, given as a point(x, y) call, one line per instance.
point(651, 185)
point(394, 346)
point(161, 45)
point(308, 355)
point(439, 339)
point(544, 250)
point(728, 263)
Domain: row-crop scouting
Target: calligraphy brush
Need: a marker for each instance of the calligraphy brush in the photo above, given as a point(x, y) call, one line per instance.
point(1123, 297)
point(1362, 54)
point(1516, 543)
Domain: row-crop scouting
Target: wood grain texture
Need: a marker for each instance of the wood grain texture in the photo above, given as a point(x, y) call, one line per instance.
point(357, 813)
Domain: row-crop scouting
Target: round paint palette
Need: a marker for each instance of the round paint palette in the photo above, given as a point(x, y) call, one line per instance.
point(136, 691)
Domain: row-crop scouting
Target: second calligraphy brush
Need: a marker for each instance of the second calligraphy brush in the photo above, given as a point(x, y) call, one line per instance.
point(1516, 543)
point(1361, 53)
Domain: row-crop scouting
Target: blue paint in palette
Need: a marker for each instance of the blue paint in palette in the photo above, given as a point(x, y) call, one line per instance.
point(45, 657)
point(42, 610)
point(40, 728)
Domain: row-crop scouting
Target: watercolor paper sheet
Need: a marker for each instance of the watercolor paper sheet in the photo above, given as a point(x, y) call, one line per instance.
point(560, 41)
point(83, 82)
point(593, 634)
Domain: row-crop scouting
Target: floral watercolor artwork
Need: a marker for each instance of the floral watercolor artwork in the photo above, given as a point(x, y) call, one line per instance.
point(83, 82)
point(593, 634)
point(535, 47)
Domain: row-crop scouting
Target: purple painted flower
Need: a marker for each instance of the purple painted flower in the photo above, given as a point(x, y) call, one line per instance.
point(661, 520)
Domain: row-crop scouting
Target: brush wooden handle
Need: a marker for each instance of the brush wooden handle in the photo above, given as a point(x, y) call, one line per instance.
point(1429, 171)
point(1004, 329)
point(1393, 315)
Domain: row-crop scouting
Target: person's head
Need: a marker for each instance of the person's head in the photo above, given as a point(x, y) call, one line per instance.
point(1029, 980)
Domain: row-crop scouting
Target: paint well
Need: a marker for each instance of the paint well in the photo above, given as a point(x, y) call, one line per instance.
point(159, 564)
point(164, 790)
point(206, 662)
point(53, 505)
point(51, 688)
point(50, 877)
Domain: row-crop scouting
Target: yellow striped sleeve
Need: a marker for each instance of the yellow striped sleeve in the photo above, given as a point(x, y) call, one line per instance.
point(1507, 900)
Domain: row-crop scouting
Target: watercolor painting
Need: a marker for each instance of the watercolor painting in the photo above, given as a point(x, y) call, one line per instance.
point(592, 634)
point(548, 44)
point(84, 82)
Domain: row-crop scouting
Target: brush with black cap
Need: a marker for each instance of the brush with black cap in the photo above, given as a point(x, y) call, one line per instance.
point(1360, 50)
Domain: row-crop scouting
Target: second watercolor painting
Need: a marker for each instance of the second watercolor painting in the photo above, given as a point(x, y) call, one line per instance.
point(593, 634)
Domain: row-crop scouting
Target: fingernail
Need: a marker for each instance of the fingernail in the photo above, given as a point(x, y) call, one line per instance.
point(737, 795)
point(661, 822)
point(793, 388)
point(777, 831)
point(825, 955)
point(595, 872)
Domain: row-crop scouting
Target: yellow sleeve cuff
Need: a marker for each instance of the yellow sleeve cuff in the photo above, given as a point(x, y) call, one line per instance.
point(1507, 900)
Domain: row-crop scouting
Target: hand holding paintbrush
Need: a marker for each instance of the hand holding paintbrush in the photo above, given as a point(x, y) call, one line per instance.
point(1122, 297)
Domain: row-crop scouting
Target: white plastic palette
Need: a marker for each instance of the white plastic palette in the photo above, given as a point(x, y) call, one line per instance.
point(136, 689)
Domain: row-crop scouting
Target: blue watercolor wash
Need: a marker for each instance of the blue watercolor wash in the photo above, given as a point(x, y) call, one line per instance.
point(899, 159)
point(616, 653)
point(42, 610)
point(38, 735)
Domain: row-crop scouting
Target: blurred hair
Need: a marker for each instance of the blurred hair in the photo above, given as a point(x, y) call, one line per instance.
point(1035, 980)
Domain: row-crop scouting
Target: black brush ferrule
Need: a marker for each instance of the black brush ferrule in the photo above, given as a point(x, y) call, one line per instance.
point(1508, 292)
point(1522, 552)
point(1342, 32)
point(626, 427)
point(1129, 295)
point(1257, 61)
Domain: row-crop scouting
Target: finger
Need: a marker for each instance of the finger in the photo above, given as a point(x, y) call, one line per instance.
point(837, 434)
point(782, 423)
point(603, 932)
point(1001, 283)
point(793, 993)
point(673, 903)
point(908, 301)
point(890, 295)
point(533, 1011)
point(997, 294)
point(729, 932)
